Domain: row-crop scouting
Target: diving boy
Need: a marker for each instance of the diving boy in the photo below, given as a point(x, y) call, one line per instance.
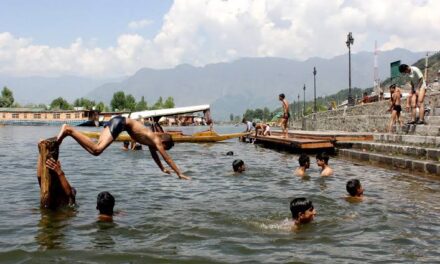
point(322, 161)
point(137, 131)
point(304, 164)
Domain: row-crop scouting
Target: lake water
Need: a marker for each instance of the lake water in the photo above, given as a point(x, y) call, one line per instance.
point(217, 217)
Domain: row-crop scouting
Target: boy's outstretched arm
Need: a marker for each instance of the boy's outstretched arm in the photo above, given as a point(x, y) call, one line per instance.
point(168, 160)
point(157, 160)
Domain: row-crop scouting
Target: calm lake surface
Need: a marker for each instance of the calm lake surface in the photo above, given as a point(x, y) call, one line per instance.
point(217, 217)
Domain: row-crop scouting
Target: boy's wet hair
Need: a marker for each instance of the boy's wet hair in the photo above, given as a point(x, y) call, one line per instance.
point(352, 186)
point(230, 153)
point(392, 86)
point(105, 203)
point(403, 67)
point(236, 164)
point(254, 124)
point(300, 205)
point(126, 143)
point(303, 159)
point(282, 96)
point(167, 141)
point(323, 156)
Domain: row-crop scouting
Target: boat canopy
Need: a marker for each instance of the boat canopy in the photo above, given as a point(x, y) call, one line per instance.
point(168, 112)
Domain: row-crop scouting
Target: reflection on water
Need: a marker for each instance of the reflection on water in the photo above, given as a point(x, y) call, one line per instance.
point(51, 228)
point(216, 217)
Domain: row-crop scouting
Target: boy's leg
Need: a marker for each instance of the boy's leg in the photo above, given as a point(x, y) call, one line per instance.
point(420, 103)
point(413, 107)
point(392, 121)
point(105, 139)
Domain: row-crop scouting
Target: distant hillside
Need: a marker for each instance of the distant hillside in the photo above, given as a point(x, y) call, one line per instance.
point(229, 87)
point(252, 82)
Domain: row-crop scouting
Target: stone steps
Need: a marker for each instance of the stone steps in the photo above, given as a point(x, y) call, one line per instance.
point(422, 141)
point(421, 130)
point(407, 163)
point(421, 153)
point(433, 120)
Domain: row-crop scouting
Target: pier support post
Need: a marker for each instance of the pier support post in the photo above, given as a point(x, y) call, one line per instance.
point(51, 194)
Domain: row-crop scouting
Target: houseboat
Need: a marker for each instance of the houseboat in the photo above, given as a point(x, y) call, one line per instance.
point(41, 117)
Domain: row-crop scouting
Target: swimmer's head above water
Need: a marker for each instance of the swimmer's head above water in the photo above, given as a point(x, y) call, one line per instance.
point(304, 161)
point(302, 210)
point(322, 158)
point(238, 165)
point(105, 203)
point(354, 188)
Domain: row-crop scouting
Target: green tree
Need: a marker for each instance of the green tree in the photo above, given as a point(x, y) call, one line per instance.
point(84, 102)
point(266, 114)
point(130, 102)
point(158, 104)
point(142, 105)
point(7, 98)
point(100, 107)
point(249, 114)
point(118, 101)
point(258, 113)
point(169, 103)
point(60, 104)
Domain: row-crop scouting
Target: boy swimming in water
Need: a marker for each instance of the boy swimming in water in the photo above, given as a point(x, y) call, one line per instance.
point(304, 164)
point(354, 188)
point(137, 131)
point(238, 166)
point(302, 211)
point(322, 161)
point(105, 203)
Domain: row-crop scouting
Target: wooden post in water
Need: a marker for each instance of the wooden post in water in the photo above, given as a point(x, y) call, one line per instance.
point(51, 194)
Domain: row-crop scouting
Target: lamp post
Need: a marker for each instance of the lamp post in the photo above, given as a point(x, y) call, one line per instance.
point(314, 90)
point(304, 100)
point(349, 42)
point(299, 105)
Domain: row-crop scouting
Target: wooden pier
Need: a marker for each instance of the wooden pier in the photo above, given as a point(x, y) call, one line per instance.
point(299, 140)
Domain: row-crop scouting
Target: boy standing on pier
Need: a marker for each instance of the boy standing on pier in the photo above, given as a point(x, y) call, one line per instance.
point(286, 114)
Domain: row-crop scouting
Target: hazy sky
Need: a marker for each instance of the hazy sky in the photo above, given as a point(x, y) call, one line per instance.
point(112, 38)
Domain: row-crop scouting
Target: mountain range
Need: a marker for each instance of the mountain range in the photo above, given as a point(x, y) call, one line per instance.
point(229, 87)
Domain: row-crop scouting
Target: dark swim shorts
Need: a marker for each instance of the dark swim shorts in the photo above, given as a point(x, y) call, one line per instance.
point(286, 116)
point(397, 108)
point(116, 125)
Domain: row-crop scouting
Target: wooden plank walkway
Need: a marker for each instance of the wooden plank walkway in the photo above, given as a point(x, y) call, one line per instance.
point(308, 140)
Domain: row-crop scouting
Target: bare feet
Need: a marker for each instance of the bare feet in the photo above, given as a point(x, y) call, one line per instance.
point(62, 134)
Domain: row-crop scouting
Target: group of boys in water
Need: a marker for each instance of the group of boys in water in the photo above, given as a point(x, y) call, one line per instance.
point(301, 208)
